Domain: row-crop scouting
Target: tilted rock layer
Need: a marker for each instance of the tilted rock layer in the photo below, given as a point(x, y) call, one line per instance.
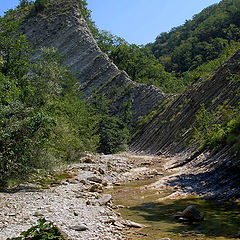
point(173, 124)
point(62, 26)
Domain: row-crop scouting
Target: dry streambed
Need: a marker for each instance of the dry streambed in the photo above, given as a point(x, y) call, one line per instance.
point(118, 197)
point(78, 206)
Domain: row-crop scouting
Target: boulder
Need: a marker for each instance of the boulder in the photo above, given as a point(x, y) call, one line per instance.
point(192, 214)
point(79, 228)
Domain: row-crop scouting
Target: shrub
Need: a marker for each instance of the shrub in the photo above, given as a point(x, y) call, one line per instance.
point(218, 127)
point(42, 231)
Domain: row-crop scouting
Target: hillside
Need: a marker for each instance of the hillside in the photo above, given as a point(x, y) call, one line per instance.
point(202, 39)
point(173, 123)
point(203, 118)
point(62, 25)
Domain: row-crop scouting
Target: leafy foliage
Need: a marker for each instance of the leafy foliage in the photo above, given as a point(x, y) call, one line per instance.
point(142, 67)
point(42, 231)
point(113, 134)
point(112, 130)
point(39, 5)
point(218, 127)
point(14, 50)
point(24, 3)
point(42, 119)
point(201, 39)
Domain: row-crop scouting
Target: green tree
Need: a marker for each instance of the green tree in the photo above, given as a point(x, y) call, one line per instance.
point(14, 50)
point(113, 134)
point(40, 5)
point(24, 3)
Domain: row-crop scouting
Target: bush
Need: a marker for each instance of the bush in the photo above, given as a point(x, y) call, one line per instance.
point(42, 231)
point(23, 134)
point(218, 127)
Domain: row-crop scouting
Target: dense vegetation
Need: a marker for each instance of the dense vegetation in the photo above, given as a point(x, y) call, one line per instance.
point(200, 40)
point(218, 128)
point(43, 122)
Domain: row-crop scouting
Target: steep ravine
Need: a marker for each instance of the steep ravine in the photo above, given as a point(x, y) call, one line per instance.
point(61, 25)
point(169, 128)
point(167, 132)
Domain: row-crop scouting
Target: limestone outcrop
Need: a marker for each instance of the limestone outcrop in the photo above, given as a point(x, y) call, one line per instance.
point(168, 130)
point(61, 25)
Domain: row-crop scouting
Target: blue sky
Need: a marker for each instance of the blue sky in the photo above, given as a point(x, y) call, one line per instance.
point(138, 21)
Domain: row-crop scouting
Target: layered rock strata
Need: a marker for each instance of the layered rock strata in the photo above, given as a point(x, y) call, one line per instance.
point(173, 124)
point(61, 25)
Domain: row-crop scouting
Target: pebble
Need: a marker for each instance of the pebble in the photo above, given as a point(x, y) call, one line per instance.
point(79, 228)
point(95, 179)
point(65, 204)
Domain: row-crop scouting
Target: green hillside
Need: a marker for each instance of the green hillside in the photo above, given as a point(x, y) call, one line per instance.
point(200, 40)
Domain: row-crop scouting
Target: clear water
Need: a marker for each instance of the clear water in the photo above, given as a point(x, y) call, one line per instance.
point(221, 219)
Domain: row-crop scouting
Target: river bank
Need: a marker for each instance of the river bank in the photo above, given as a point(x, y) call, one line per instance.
point(106, 190)
point(79, 201)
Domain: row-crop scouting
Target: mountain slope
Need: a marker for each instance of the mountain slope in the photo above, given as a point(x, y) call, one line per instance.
point(201, 39)
point(61, 25)
point(171, 127)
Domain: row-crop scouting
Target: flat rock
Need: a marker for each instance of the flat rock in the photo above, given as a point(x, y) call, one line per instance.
point(79, 228)
point(95, 179)
point(133, 224)
point(105, 199)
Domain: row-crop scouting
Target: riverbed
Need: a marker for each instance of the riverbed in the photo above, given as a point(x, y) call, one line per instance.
point(151, 207)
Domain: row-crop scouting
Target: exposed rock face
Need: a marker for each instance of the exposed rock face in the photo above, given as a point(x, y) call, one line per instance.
point(169, 129)
point(62, 26)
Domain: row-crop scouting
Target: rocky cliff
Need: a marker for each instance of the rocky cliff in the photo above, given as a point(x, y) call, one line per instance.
point(61, 25)
point(210, 174)
point(168, 130)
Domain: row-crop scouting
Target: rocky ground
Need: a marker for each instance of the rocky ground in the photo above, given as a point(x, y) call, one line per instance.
point(207, 176)
point(82, 207)
point(78, 206)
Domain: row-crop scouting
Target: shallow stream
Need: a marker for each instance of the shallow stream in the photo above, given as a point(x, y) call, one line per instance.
point(221, 219)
